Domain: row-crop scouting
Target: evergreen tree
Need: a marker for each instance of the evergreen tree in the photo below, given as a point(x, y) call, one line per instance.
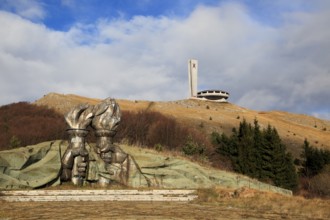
point(291, 179)
point(278, 165)
point(259, 154)
point(258, 148)
point(267, 154)
point(233, 149)
point(313, 159)
point(222, 142)
point(246, 150)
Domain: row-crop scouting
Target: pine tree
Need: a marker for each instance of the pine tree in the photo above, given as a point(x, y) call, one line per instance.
point(259, 154)
point(258, 148)
point(246, 159)
point(267, 154)
point(313, 159)
point(233, 149)
point(283, 172)
point(291, 178)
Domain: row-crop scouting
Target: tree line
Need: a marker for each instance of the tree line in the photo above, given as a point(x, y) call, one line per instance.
point(258, 153)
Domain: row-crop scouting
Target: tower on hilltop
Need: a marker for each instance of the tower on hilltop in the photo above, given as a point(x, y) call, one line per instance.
point(210, 95)
point(192, 75)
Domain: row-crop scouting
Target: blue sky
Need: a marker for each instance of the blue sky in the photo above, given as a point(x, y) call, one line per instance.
point(61, 15)
point(270, 55)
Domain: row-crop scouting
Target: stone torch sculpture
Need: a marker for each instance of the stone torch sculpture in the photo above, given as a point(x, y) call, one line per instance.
point(104, 163)
point(75, 159)
point(105, 123)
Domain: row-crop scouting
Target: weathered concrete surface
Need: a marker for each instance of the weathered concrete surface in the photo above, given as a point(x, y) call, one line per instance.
point(30, 167)
point(99, 195)
point(180, 173)
point(39, 165)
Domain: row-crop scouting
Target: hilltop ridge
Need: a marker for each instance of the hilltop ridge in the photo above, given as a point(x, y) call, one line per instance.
point(212, 116)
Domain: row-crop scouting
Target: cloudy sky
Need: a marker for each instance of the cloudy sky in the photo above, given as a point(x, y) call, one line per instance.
point(269, 55)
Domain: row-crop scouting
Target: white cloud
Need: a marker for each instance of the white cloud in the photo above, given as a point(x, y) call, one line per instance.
point(263, 67)
point(69, 3)
point(31, 9)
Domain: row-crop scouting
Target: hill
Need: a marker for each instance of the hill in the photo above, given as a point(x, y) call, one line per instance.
point(220, 117)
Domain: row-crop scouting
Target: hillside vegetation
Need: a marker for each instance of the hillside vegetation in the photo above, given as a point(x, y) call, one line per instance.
point(182, 126)
point(23, 124)
point(217, 117)
point(201, 118)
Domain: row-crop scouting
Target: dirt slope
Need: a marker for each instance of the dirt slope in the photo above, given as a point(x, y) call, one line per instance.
point(220, 117)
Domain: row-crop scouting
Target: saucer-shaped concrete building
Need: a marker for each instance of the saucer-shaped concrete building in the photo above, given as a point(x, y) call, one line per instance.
point(213, 95)
point(210, 95)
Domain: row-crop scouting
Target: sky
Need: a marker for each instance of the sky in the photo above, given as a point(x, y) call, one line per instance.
point(269, 55)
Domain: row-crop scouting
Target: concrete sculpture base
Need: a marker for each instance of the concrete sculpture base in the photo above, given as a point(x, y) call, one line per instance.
point(99, 195)
point(40, 166)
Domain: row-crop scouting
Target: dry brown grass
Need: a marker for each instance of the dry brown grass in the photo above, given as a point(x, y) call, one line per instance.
point(295, 207)
point(215, 203)
point(293, 128)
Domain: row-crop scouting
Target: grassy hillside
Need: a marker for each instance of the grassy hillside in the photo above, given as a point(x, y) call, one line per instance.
point(220, 117)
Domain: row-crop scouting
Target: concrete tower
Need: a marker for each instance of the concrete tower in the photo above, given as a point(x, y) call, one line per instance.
point(192, 73)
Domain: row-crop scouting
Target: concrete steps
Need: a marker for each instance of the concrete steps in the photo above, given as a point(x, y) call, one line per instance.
point(98, 195)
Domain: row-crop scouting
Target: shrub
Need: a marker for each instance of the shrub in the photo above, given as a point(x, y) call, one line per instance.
point(150, 129)
point(158, 147)
point(14, 142)
point(191, 147)
point(319, 184)
point(23, 124)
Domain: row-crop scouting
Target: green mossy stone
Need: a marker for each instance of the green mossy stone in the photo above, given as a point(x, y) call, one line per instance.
point(39, 165)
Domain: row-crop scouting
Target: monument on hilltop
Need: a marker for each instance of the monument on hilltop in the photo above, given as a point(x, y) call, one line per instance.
point(210, 94)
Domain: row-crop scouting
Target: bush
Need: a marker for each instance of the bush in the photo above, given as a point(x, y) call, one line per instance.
point(319, 184)
point(153, 129)
point(158, 147)
point(23, 124)
point(14, 142)
point(192, 148)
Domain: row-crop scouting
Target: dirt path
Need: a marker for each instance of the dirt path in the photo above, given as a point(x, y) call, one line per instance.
point(136, 210)
point(213, 203)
